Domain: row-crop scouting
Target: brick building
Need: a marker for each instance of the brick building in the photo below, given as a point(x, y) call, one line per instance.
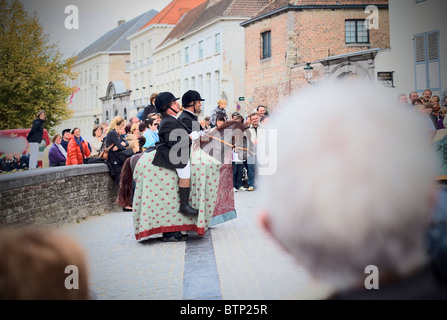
point(329, 35)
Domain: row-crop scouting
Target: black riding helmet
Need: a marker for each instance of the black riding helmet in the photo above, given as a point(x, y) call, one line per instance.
point(163, 99)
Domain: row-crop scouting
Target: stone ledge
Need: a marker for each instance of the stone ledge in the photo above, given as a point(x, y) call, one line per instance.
point(33, 177)
point(55, 196)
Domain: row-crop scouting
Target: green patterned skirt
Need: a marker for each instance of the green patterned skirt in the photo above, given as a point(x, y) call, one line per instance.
point(156, 200)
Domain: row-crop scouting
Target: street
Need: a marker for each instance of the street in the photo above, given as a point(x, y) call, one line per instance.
point(235, 260)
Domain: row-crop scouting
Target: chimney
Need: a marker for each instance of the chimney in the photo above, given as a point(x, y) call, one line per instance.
point(120, 22)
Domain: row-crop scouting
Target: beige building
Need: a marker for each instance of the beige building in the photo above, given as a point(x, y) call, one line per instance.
point(104, 61)
point(143, 67)
point(207, 50)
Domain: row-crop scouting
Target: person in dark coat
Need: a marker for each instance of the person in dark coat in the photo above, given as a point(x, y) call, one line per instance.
point(114, 138)
point(35, 138)
point(165, 156)
point(66, 135)
point(192, 105)
point(150, 108)
point(219, 110)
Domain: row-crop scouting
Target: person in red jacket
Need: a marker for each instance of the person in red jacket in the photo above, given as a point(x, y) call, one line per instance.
point(77, 149)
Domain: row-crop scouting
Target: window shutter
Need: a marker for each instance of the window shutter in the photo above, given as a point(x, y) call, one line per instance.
point(434, 75)
point(421, 67)
point(433, 46)
point(427, 64)
point(420, 48)
point(421, 77)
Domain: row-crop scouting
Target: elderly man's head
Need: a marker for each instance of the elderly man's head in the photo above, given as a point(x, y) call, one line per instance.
point(352, 188)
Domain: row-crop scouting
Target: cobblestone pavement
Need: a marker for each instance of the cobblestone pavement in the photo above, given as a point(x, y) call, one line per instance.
point(235, 260)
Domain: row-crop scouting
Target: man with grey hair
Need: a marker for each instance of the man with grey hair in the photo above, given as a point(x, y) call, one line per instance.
point(352, 196)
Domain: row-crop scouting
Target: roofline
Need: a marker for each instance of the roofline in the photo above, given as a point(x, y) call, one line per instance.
point(216, 20)
point(309, 7)
point(100, 53)
point(176, 40)
point(141, 31)
point(166, 45)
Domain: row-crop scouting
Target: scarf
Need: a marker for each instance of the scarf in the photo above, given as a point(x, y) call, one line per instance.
point(79, 143)
point(62, 149)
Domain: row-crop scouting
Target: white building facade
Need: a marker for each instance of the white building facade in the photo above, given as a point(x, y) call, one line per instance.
point(142, 67)
point(416, 59)
point(104, 61)
point(92, 82)
point(213, 63)
point(209, 60)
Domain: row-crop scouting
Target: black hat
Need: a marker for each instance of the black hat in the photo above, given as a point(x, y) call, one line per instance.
point(191, 96)
point(65, 130)
point(162, 99)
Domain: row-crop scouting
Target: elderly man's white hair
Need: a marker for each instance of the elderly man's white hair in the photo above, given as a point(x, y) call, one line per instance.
point(353, 185)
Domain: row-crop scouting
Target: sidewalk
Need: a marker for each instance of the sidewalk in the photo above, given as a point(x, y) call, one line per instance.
point(235, 260)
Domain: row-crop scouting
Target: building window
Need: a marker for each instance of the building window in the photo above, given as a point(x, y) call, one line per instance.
point(200, 49)
point(427, 62)
point(208, 86)
point(266, 39)
point(356, 32)
point(200, 83)
point(187, 55)
point(217, 83)
point(193, 55)
point(217, 43)
point(208, 47)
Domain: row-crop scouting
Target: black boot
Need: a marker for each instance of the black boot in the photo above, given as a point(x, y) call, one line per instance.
point(184, 202)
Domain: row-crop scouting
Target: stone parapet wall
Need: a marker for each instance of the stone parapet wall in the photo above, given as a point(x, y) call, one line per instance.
point(55, 196)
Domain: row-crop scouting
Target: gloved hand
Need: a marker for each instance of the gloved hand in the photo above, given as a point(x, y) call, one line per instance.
point(194, 135)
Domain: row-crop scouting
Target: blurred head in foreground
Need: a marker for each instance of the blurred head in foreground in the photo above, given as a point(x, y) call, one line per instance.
point(33, 266)
point(353, 186)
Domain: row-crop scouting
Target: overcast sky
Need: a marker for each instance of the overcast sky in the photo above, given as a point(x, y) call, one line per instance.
point(96, 17)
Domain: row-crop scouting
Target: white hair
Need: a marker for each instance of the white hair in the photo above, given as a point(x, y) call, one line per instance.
point(353, 182)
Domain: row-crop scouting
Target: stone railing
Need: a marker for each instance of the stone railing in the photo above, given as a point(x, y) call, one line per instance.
point(55, 196)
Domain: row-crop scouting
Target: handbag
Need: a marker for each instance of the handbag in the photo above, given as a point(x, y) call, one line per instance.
point(104, 154)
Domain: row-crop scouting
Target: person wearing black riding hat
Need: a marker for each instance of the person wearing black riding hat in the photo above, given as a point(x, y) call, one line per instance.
point(65, 138)
point(172, 151)
point(192, 105)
